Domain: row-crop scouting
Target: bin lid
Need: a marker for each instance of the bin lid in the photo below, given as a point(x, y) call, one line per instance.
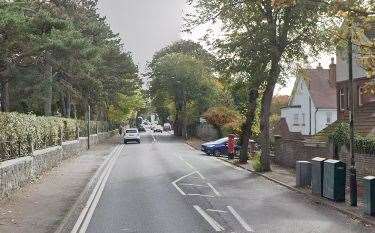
point(369, 178)
point(319, 159)
point(332, 161)
point(302, 161)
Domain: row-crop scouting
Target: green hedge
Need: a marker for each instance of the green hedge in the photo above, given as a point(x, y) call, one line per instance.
point(18, 130)
point(362, 144)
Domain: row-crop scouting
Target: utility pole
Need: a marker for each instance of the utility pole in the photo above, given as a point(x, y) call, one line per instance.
point(353, 172)
point(88, 127)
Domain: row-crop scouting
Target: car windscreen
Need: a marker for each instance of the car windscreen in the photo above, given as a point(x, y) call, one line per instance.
point(221, 140)
point(131, 131)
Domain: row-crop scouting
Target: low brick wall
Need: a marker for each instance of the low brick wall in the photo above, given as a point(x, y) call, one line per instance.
point(16, 173)
point(364, 163)
point(288, 151)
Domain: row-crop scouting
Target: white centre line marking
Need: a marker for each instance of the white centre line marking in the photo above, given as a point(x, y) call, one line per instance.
point(215, 225)
point(240, 219)
point(201, 195)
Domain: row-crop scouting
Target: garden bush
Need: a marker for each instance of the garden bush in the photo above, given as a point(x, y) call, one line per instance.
point(257, 162)
point(17, 131)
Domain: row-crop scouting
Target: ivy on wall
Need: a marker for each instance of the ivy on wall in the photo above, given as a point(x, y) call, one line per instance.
point(362, 144)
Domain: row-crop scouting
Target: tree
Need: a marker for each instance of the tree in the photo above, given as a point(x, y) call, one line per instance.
point(221, 116)
point(182, 78)
point(261, 38)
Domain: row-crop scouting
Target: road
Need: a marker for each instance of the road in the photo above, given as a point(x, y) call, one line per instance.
point(164, 186)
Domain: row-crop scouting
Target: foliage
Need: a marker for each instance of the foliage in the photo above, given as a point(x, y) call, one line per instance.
point(260, 39)
point(126, 107)
point(257, 162)
point(221, 116)
point(63, 56)
point(20, 129)
point(362, 144)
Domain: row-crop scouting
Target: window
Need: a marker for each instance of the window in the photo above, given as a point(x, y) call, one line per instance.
point(303, 119)
point(295, 119)
point(360, 96)
point(341, 99)
point(329, 117)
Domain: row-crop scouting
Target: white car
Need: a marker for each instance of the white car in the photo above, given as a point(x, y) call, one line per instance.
point(132, 135)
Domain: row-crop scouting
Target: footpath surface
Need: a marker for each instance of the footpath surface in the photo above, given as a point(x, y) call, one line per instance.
point(286, 177)
point(42, 205)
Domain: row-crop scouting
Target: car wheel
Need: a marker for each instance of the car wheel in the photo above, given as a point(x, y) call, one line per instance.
point(139, 141)
point(125, 142)
point(216, 153)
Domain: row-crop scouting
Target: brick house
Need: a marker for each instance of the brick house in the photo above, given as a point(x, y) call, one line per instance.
point(364, 105)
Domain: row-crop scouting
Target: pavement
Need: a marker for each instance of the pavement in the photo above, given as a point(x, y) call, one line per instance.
point(41, 206)
point(165, 186)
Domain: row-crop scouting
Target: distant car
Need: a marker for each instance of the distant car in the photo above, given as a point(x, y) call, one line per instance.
point(132, 135)
point(218, 147)
point(141, 128)
point(158, 129)
point(167, 127)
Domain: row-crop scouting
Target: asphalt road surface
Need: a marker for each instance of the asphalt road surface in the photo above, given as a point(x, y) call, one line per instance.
point(164, 186)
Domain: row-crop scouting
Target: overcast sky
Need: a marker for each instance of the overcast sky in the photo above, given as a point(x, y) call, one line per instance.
point(146, 26)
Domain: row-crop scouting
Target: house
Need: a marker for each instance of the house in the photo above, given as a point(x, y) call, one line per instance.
point(312, 105)
point(364, 104)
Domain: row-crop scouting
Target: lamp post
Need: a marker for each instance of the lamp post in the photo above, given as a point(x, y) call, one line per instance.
point(353, 172)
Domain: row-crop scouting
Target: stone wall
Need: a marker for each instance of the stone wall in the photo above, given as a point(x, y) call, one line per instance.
point(206, 132)
point(16, 173)
point(288, 151)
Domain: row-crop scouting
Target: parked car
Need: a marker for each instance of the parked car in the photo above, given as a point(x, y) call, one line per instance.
point(218, 147)
point(132, 135)
point(158, 129)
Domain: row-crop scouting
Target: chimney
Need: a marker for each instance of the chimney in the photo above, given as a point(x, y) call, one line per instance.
point(319, 66)
point(332, 73)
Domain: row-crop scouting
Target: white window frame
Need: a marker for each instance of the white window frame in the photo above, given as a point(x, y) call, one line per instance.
point(341, 98)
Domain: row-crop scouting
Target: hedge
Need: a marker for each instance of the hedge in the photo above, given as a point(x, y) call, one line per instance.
point(362, 144)
point(18, 131)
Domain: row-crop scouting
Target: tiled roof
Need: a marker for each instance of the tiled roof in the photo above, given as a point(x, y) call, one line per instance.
point(322, 93)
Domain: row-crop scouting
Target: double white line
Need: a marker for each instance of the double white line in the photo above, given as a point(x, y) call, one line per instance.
point(84, 218)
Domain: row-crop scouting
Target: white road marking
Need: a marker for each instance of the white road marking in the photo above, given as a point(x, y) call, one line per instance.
point(198, 185)
point(187, 163)
point(215, 225)
point(108, 166)
point(219, 211)
point(201, 195)
point(240, 219)
point(174, 183)
point(201, 175)
point(214, 190)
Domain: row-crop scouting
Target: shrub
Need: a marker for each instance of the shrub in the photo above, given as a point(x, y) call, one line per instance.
point(257, 162)
point(17, 130)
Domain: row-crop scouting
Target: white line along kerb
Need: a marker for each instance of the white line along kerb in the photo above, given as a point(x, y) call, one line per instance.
point(89, 208)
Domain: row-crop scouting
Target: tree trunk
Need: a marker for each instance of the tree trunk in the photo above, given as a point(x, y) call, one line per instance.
point(4, 100)
point(47, 73)
point(66, 105)
point(219, 131)
point(246, 129)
